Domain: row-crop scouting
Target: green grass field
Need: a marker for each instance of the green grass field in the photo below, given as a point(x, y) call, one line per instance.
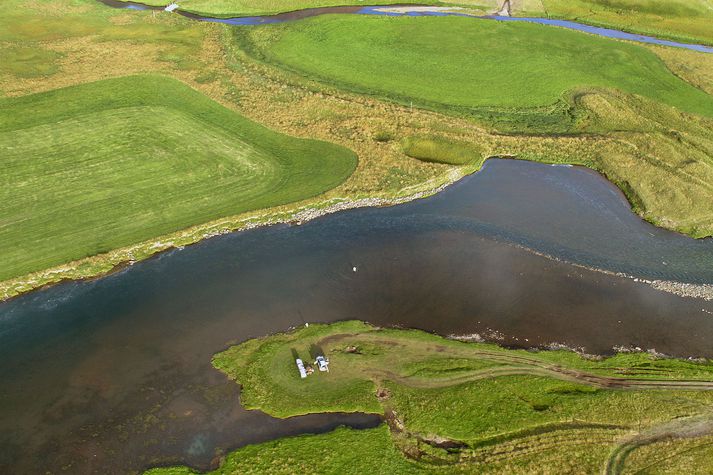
point(228, 8)
point(682, 20)
point(478, 67)
point(661, 159)
point(438, 150)
point(95, 167)
point(453, 406)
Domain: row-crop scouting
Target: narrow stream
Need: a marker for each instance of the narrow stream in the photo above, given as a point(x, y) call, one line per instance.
point(411, 10)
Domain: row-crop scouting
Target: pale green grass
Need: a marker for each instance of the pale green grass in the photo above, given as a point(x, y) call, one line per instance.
point(439, 150)
point(683, 20)
point(346, 451)
point(95, 167)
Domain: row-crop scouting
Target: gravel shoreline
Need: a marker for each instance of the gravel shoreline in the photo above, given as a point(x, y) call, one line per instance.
point(121, 258)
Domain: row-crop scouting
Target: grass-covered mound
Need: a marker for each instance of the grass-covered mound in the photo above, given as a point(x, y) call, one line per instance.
point(457, 406)
point(502, 72)
point(438, 150)
point(90, 168)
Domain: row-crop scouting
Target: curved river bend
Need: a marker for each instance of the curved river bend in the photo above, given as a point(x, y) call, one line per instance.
point(411, 10)
point(114, 374)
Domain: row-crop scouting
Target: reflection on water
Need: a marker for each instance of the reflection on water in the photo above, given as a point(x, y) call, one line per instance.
point(115, 374)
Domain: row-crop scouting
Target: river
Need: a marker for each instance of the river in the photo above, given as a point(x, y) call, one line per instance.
point(413, 10)
point(114, 374)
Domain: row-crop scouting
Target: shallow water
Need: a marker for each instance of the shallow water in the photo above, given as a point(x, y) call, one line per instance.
point(114, 374)
point(387, 10)
point(608, 32)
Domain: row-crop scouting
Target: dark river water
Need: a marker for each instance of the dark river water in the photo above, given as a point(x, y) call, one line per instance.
point(114, 375)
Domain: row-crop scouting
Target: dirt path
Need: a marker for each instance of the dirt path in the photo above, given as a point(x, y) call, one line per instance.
point(512, 365)
point(688, 428)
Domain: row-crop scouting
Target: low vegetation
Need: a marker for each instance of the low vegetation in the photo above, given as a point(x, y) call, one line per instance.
point(344, 451)
point(91, 168)
point(659, 156)
point(460, 406)
point(439, 150)
point(680, 20)
point(226, 8)
point(683, 20)
point(512, 76)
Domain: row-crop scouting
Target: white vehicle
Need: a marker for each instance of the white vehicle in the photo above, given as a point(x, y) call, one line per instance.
point(322, 363)
point(301, 367)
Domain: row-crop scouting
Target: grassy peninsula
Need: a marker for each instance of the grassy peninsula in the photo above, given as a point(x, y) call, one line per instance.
point(453, 406)
point(682, 20)
point(641, 124)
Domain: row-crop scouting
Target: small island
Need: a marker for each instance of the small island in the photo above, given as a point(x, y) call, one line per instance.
point(450, 405)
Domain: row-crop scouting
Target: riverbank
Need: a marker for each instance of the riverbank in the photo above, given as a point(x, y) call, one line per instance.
point(296, 214)
point(377, 131)
point(464, 406)
point(676, 20)
point(102, 264)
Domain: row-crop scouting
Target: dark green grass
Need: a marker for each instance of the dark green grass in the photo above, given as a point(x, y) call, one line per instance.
point(95, 167)
point(522, 74)
point(346, 451)
point(440, 150)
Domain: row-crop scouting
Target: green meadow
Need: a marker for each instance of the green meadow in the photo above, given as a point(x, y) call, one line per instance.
point(683, 20)
point(453, 406)
point(227, 8)
point(494, 71)
point(95, 167)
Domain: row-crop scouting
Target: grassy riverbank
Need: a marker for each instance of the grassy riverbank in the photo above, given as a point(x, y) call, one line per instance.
point(96, 167)
point(657, 155)
point(512, 76)
point(682, 20)
point(452, 405)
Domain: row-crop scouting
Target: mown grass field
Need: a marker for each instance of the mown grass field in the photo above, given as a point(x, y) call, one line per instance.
point(95, 167)
point(453, 406)
point(473, 66)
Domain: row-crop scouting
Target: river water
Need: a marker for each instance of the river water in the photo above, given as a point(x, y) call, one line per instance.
point(114, 374)
point(412, 10)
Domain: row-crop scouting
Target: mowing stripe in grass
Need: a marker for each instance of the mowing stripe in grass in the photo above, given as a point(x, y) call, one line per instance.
point(91, 168)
